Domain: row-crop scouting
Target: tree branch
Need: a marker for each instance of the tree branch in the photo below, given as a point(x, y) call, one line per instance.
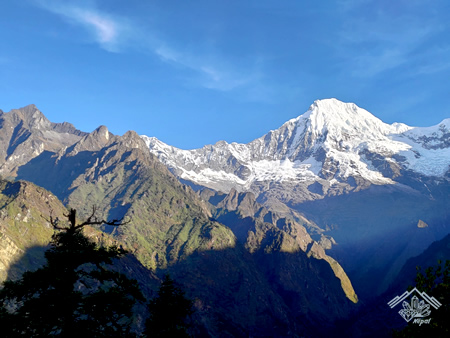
point(91, 220)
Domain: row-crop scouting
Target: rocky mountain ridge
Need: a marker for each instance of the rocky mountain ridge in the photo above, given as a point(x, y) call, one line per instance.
point(333, 148)
point(25, 133)
point(251, 223)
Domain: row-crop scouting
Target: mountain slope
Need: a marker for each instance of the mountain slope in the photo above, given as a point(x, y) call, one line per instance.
point(263, 232)
point(122, 179)
point(24, 226)
point(378, 319)
point(171, 230)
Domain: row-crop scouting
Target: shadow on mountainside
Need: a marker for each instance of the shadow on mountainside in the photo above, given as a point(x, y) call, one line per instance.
point(377, 315)
point(377, 230)
point(274, 294)
point(33, 258)
point(239, 294)
point(30, 260)
point(41, 172)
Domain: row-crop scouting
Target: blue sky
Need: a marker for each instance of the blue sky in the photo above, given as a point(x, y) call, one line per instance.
point(195, 72)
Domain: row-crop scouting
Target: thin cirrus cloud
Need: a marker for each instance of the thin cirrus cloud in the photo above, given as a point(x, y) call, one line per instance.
point(105, 30)
point(113, 33)
point(212, 71)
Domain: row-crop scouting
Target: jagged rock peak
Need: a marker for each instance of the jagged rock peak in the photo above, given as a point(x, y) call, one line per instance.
point(94, 141)
point(132, 140)
point(29, 109)
point(32, 117)
point(66, 127)
point(244, 202)
point(230, 202)
point(102, 132)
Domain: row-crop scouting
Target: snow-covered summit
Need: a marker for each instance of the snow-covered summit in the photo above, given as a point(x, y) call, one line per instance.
point(340, 117)
point(333, 142)
point(328, 123)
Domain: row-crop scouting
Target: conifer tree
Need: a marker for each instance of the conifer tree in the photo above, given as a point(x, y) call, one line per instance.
point(75, 293)
point(169, 311)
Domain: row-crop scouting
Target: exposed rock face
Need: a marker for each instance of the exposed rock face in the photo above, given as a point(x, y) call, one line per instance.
point(421, 224)
point(26, 133)
point(9, 254)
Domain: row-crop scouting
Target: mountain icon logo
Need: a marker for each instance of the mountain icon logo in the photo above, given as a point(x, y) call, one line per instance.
point(417, 308)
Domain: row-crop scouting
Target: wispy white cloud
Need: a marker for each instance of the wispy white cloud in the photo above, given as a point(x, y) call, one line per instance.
point(209, 69)
point(166, 54)
point(213, 72)
point(104, 29)
point(226, 79)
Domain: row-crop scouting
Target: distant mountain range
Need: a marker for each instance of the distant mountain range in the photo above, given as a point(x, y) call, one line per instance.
point(288, 235)
point(381, 191)
point(333, 148)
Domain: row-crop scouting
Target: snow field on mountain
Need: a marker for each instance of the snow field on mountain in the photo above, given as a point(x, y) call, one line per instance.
point(341, 135)
point(260, 171)
point(206, 176)
point(429, 162)
point(352, 164)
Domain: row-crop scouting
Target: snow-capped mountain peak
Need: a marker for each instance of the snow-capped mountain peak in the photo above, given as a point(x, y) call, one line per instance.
point(340, 116)
point(334, 143)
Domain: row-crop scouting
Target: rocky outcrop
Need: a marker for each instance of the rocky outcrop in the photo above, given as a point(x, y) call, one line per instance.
point(316, 251)
point(26, 133)
point(9, 254)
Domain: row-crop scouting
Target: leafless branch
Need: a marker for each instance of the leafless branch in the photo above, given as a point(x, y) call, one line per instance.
point(91, 220)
